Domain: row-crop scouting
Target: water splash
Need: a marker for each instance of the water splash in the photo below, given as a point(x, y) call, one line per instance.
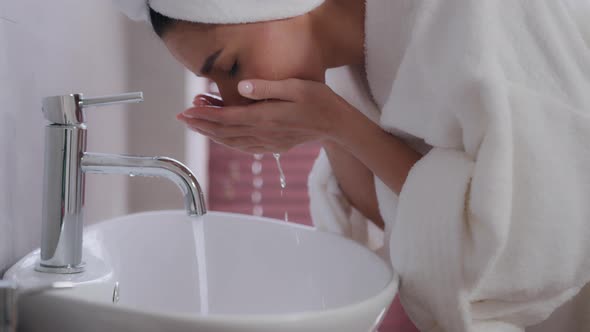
point(258, 182)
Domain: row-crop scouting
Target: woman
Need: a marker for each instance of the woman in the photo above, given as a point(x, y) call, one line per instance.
point(475, 161)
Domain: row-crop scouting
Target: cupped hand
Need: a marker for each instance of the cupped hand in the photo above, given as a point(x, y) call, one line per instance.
point(286, 113)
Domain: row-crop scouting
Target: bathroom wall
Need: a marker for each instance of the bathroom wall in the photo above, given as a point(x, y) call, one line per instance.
point(152, 127)
point(68, 46)
point(48, 48)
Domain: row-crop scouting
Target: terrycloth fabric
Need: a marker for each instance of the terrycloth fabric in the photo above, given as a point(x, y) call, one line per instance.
point(218, 11)
point(581, 10)
point(329, 208)
point(491, 229)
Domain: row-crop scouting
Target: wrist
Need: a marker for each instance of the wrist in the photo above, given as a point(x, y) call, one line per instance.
point(329, 145)
point(342, 125)
point(354, 130)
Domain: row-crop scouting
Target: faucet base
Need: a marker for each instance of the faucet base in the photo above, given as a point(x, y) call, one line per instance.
point(68, 269)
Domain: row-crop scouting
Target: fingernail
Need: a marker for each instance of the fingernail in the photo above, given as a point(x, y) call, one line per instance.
point(205, 100)
point(245, 87)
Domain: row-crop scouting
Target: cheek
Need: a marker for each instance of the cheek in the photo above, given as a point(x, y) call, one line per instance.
point(280, 58)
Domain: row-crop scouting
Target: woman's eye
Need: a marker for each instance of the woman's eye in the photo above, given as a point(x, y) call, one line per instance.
point(234, 69)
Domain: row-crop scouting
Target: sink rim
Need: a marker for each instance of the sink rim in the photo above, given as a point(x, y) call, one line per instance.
point(389, 290)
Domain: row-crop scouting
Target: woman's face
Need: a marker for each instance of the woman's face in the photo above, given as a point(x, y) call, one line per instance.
point(227, 54)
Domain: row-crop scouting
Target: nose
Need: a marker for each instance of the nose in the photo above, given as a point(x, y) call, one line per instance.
point(230, 95)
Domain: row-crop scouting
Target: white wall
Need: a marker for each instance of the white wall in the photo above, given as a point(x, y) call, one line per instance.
point(49, 48)
point(69, 46)
point(153, 129)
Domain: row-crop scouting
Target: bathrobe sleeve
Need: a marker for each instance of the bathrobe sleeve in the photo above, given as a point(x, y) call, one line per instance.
point(493, 224)
point(332, 212)
point(330, 209)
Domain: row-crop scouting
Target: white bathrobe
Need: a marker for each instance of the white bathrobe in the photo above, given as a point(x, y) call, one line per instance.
point(491, 231)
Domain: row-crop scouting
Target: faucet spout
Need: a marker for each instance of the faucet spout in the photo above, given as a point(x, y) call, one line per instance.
point(66, 162)
point(175, 171)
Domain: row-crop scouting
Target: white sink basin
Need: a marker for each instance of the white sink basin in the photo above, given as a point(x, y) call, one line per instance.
point(223, 272)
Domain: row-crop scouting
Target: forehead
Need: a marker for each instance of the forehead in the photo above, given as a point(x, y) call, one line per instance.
point(191, 43)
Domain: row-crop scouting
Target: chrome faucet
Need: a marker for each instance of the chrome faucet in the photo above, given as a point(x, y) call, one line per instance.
point(66, 162)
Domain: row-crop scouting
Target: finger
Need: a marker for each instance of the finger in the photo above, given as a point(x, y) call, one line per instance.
point(181, 117)
point(240, 143)
point(215, 139)
point(237, 115)
point(208, 99)
point(267, 134)
point(287, 90)
point(248, 150)
point(219, 130)
point(256, 150)
point(197, 130)
point(195, 125)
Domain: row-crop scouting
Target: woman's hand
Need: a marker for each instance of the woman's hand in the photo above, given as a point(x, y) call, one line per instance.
point(284, 114)
point(296, 112)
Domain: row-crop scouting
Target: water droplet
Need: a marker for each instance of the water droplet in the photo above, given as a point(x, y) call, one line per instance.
point(283, 182)
point(258, 156)
point(282, 179)
point(132, 175)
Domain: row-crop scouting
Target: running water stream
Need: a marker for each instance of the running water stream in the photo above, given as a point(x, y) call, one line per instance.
point(281, 173)
point(258, 182)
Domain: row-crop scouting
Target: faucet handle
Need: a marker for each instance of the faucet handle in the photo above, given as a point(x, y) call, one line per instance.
point(9, 295)
point(67, 110)
point(124, 98)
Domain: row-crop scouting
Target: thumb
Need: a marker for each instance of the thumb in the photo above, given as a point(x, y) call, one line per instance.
point(286, 90)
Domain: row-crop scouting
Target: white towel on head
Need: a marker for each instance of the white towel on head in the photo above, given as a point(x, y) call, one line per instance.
point(218, 11)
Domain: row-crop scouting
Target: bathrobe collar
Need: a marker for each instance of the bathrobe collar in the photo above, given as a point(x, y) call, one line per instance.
point(386, 39)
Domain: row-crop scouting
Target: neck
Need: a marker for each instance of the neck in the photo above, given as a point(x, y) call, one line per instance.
point(339, 30)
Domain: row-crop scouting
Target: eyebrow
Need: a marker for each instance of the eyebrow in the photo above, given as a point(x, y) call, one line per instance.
point(210, 62)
